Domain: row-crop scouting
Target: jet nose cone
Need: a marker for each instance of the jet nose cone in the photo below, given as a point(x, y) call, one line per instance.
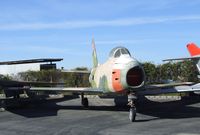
point(135, 76)
point(132, 75)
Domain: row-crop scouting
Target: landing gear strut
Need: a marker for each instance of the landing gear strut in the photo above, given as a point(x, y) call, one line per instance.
point(84, 101)
point(131, 102)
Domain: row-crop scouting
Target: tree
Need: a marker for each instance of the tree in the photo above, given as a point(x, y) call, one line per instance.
point(69, 79)
point(188, 71)
point(150, 71)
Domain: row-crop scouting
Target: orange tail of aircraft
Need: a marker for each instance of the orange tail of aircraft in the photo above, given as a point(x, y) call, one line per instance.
point(193, 49)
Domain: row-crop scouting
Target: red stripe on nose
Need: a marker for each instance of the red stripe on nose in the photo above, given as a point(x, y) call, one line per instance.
point(117, 86)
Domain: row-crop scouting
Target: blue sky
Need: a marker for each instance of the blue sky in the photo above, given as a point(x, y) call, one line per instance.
point(151, 30)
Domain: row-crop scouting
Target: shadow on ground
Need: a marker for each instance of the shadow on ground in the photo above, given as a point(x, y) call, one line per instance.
point(173, 110)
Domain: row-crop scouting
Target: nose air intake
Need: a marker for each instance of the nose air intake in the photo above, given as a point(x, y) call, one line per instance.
point(135, 76)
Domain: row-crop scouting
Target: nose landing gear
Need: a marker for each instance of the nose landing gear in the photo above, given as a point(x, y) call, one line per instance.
point(131, 102)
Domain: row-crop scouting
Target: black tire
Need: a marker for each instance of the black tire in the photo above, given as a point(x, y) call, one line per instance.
point(3, 105)
point(31, 94)
point(132, 114)
point(85, 102)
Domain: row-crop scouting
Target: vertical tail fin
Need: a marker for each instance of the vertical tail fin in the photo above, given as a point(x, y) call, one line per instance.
point(94, 55)
point(193, 49)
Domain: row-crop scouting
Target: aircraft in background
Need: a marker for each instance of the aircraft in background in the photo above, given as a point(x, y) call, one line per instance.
point(7, 85)
point(121, 74)
point(194, 51)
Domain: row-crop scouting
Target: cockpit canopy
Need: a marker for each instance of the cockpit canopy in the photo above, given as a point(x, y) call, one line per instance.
point(118, 51)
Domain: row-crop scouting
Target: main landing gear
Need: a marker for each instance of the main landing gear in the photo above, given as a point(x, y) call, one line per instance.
point(131, 102)
point(84, 101)
point(2, 105)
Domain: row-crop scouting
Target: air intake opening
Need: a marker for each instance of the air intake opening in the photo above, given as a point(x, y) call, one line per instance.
point(135, 76)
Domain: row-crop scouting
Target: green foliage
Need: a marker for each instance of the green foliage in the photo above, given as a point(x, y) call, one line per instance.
point(188, 71)
point(44, 75)
point(81, 69)
point(70, 79)
point(3, 77)
point(150, 71)
point(180, 71)
point(76, 79)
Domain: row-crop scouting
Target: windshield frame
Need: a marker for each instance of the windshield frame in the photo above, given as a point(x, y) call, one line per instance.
point(119, 51)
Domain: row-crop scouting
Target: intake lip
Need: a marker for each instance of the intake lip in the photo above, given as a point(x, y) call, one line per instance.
point(135, 76)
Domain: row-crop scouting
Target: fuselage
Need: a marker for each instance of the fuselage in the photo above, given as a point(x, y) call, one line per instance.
point(119, 73)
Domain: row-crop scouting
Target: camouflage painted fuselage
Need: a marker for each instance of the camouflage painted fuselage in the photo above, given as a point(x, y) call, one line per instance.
point(118, 73)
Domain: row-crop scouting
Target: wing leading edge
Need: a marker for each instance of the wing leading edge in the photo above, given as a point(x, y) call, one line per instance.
point(171, 89)
point(77, 90)
point(31, 61)
point(186, 58)
point(148, 90)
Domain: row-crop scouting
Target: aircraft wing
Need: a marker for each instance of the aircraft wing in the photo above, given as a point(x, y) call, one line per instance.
point(77, 90)
point(31, 61)
point(170, 88)
point(46, 87)
point(11, 83)
point(88, 90)
point(148, 90)
point(157, 86)
point(186, 58)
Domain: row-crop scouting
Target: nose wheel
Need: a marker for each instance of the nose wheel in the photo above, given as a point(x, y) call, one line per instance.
point(131, 102)
point(132, 114)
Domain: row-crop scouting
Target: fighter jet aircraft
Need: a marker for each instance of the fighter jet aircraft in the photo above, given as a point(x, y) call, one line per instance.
point(121, 74)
